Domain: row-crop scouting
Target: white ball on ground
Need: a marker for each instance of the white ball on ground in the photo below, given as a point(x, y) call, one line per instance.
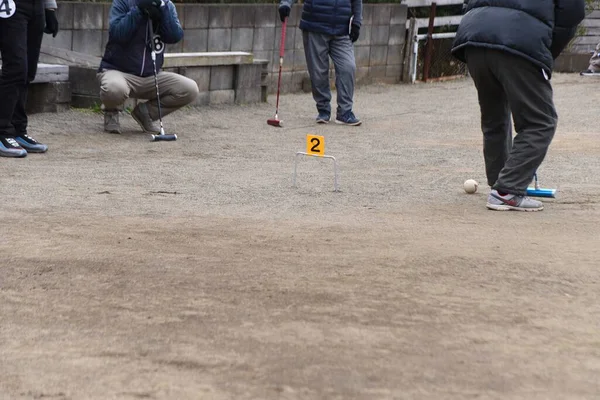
point(470, 186)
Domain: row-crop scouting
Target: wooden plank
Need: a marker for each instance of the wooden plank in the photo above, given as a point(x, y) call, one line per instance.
point(439, 21)
point(427, 3)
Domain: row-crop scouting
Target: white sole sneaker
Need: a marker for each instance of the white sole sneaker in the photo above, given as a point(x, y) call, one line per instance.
point(506, 207)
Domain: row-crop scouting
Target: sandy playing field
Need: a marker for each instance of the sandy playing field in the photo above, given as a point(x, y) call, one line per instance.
point(194, 270)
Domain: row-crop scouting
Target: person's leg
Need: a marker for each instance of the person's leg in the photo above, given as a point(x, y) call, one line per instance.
point(35, 33)
point(342, 54)
point(316, 51)
point(175, 91)
point(114, 90)
point(495, 113)
point(13, 49)
point(529, 94)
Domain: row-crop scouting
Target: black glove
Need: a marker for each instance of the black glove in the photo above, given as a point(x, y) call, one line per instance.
point(354, 32)
point(51, 23)
point(151, 8)
point(284, 12)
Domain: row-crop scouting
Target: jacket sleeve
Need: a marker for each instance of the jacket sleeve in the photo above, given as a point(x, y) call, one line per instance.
point(170, 28)
point(567, 16)
point(123, 21)
point(357, 7)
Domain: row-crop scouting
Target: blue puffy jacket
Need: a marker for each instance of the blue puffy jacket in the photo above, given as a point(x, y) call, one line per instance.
point(537, 30)
point(331, 17)
point(129, 37)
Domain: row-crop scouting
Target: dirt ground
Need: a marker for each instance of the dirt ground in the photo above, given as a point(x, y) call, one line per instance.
point(194, 270)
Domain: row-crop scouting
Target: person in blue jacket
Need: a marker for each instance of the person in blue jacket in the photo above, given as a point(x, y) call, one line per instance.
point(329, 28)
point(509, 47)
point(126, 70)
point(22, 27)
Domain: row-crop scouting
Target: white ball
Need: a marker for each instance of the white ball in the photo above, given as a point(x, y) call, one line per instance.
point(470, 186)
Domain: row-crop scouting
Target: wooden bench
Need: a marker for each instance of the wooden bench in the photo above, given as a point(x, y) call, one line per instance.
point(50, 91)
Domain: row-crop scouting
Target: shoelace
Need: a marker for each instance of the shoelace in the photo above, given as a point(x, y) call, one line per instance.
point(12, 142)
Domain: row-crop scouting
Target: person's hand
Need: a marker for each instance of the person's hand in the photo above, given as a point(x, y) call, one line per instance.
point(354, 32)
point(51, 23)
point(151, 8)
point(284, 12)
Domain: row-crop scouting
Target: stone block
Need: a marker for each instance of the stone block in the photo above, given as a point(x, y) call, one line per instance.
point(104, 40)
point(85, 101)
point(200, 75)
point(174, 48)
point(243, 16)
point(88, 16)
point(265, 16)
point(367, 14)
point(362, 55)
point(301, 81)
point(286, 82)
point(221, 77)
point(382, 14)
point(180, 10)
point(298, 40)
point(63, 40)
point(295, 15)
point(399, 14)
point(241, 39)
point(64, 14)
point(83, 81)
point(380, 35)
point(393, 71)
point(397, 35)
point(288, 61)
point(265, 55)
point(571, 62)
point(219, 39)
point(196, 16)
point(365, 36)
point(362, 76)
point(203, 99)
point(377, 72)
point(88, 42)
point(378, 56)
point(105, 16)
point(248, 95)
point(395, 55)
point(222, 96)
point(195, 40)
point(48, 97)
point(247, 76)
point(264, 39)
point(299, 60)
point(220, 16)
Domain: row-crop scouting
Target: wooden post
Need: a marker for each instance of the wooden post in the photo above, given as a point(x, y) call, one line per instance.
point(407, 60)
point(429, 48)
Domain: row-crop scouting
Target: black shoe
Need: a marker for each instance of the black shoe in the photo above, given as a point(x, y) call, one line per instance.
point(30, 144)
point(10, 148)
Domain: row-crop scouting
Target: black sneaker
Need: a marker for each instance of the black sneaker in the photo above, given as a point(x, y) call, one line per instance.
point(30, 144)
point(10, 148)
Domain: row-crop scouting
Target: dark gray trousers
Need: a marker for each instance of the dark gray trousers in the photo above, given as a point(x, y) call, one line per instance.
point(505, 83)
point(318, 48)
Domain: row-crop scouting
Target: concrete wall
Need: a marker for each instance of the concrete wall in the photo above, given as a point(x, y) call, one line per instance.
point(590, 37)
point(254, 28)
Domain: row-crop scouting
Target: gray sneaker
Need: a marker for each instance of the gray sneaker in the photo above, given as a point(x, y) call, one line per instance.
point(512, 202)
point(142, 117)
point(111, 121)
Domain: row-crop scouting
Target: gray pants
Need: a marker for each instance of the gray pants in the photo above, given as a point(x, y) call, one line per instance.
point(318, 48)
point(508, 82)
point(176, 91)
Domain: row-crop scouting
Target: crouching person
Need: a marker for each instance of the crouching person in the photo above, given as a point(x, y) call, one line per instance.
point(136, 27)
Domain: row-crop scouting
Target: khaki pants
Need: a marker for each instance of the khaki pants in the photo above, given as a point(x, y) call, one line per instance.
point(176, 91)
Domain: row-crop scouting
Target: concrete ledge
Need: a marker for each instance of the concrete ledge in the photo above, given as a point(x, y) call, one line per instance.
point(206, 59)
point(572, 62)
point(47, 73)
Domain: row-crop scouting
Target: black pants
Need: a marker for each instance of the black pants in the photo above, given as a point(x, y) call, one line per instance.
point(20, 41)
point(505, 83)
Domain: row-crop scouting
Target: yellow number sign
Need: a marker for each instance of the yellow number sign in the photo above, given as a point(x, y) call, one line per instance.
point(315, 145)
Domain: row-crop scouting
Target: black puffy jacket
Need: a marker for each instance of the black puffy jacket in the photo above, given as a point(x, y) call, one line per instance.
point(535, 29)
